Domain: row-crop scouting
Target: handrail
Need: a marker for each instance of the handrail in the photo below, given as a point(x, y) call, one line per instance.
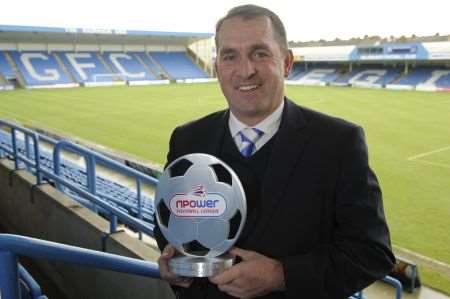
point(35, 288)
point(92, 159)
point(396, 284)
point(18, 157)
point(13, 245)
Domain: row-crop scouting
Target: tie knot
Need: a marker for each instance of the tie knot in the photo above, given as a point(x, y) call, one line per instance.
point(247, 140)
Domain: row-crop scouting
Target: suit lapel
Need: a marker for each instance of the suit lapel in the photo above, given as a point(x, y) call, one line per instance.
point(213, 135)
point(287, 149)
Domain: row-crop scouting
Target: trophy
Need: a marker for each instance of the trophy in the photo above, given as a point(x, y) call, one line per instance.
point(201, 210)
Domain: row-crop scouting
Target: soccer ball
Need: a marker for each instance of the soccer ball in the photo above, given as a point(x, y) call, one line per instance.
point(200, 205)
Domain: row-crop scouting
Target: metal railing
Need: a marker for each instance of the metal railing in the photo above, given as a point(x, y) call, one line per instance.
point(34, 288)
point(18, 157)
point(11, 246)
point(92, 158)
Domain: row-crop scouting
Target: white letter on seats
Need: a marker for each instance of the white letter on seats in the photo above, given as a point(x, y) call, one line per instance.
point(115, 60)
point(435, 76)
point(372, 76)
point(50, 74)
point(80, 66)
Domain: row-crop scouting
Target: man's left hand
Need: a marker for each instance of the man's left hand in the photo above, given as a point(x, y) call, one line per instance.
point(256, 275)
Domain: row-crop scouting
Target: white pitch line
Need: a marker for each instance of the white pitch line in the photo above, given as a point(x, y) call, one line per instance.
point(429, 153)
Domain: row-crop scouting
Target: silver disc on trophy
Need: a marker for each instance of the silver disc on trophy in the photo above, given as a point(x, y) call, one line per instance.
point(201, 210)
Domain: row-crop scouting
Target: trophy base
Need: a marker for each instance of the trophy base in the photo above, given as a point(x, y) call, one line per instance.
point(189, 266)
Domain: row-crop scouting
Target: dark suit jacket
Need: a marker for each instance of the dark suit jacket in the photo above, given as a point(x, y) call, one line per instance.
point(322, 212)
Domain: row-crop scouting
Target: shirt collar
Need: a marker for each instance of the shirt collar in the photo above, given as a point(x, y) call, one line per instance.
point(268, 125)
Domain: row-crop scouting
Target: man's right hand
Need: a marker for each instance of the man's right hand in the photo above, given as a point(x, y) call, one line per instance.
point(163, 262)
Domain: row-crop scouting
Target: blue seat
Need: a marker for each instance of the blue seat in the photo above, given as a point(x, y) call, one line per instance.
point(178, 65)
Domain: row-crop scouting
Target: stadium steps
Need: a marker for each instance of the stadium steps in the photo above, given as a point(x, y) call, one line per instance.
point(20, 79)
point(161, 69)
point(64, 68)
point(148, 68)
point(108, 67)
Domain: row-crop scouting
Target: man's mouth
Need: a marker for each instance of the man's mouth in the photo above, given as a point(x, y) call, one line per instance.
point(248, 87)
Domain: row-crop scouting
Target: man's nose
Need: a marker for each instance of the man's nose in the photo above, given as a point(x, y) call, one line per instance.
point(246, 68)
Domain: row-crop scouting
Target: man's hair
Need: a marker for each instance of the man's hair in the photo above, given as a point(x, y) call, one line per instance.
point(250, 11)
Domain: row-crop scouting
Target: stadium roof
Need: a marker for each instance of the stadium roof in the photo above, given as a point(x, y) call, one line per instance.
point(15, 34)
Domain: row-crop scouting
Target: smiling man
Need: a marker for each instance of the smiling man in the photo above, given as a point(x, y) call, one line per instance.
point(315, 223)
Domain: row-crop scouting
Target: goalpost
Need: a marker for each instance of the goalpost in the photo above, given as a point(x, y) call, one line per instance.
point(109, 77)
point(107, 80)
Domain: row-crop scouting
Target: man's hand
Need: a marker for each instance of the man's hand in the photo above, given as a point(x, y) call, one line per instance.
point(163, 262)
point(256, 275)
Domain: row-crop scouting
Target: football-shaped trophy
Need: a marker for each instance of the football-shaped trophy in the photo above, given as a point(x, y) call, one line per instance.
point(201, 210)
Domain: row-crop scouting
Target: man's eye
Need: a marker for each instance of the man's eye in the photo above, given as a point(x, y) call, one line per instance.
point(228, 57)
point(261, 54)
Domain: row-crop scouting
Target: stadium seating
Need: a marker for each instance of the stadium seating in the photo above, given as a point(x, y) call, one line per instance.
point(427, 76)
point(112, 192)
point(87, 67)
point(345, 78)
point(297, 71)
point(46, 69)
point(178, 65)
point(318, 76)
point(39, 68)
point(127, 65)
point(369, 75)
point(444, 80)
point(148, 62)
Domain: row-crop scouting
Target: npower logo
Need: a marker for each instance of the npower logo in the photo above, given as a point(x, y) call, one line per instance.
point(198, 203)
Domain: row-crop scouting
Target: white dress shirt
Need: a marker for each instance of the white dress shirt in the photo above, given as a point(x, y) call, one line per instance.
point(269, 126)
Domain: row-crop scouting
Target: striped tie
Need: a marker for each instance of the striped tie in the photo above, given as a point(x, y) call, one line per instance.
point(247, 140)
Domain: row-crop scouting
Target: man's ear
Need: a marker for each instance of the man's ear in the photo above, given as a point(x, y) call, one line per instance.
point(288, 62)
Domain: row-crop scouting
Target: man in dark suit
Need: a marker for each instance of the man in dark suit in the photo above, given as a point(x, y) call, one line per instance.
point(315, 223)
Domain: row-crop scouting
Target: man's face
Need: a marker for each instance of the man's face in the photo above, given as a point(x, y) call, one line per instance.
point(251, 67)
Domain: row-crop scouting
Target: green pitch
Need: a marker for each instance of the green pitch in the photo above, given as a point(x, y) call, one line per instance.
point(408, 135)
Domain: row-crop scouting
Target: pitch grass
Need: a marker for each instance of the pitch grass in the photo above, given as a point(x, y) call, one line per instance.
point(408, 134)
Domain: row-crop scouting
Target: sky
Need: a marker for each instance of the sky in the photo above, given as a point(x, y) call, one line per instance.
point(304, 20)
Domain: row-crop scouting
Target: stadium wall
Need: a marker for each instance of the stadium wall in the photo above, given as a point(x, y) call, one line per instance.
point(45, 213)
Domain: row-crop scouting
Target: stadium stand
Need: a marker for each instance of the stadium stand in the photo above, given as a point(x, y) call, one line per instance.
point(148, 62)
point(90, 68)
point(323, 74)
point(297, 71)
point(178, 65)
point(128, 65)
point(319, 76)
point(375, 76)
point(427, 76)
point(39, 68)
point(87, 67)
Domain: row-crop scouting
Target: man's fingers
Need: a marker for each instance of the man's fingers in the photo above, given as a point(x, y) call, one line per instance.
point(163, 262)
point(242, 253)
point(168, 252)
point(226, 276)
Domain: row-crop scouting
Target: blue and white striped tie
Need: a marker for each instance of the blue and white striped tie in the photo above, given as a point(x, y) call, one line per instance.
point(247, 140)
